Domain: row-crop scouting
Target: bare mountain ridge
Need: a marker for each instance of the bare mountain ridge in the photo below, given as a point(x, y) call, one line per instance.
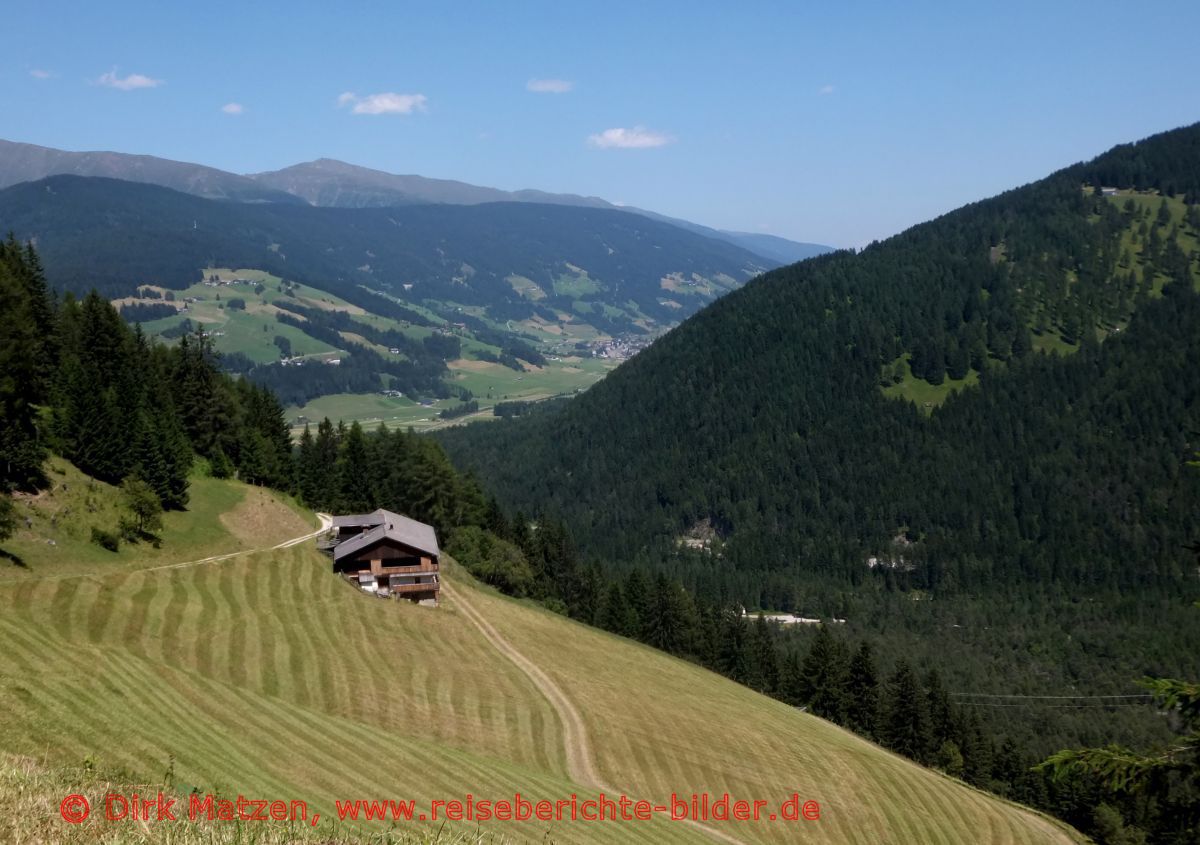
point(328, 182)
point(29, 162)
point(331, 183)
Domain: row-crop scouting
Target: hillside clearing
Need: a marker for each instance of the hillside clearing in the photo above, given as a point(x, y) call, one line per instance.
point(251, 675)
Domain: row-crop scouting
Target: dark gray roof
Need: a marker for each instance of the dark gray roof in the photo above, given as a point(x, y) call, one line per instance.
point(409, 532)
point(357, 520)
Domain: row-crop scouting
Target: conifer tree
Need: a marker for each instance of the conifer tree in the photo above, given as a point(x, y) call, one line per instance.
point(97, 393)
point(8, 519)
point(307, 473)
point(353, 493)
point(21, 452)
point(792, 679)
point(942, 723)
point(862, 692)
point(23, 264)
point(824, 676)
point(616, 613)
point(905, 727)
point(637, 591)
point(325, 459)
point(495, 521)
point(733, 658)
point(977, 751)
point(765, 658)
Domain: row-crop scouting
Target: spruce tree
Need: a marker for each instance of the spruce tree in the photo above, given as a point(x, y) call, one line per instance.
point(733, 658)
point(862, 692)
point(977, 751)
point(8, 518)
point(325, 478)
point(942, 723)
point(353, 493)
point(765, 658)
point(824, 676)
point(637, 591)
point(307, 478)
point(616, 614)
point(792, 679)
point(905, 727)
point(21, 452)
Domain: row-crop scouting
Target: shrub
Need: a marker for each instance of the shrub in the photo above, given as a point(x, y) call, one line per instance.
point(492, 560)
point(106, 539)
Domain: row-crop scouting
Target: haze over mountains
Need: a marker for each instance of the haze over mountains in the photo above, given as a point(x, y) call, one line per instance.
point(544, 284)
point(327, 182)
point(29, 162)
point(116, 235)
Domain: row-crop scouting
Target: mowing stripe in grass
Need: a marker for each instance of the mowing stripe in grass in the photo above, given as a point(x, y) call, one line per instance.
point(257, 675)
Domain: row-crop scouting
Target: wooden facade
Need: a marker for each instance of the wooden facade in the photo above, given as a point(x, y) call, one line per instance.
point(388, 554)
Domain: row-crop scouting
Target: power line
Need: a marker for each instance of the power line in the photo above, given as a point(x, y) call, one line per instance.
point(1053, 702)
point(1052, 697)
point(1093, 706)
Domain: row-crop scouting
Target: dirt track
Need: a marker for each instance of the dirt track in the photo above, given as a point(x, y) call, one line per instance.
point(581, 765)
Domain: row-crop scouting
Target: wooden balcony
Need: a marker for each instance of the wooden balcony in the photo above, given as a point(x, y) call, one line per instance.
point(403, 589)
point(419, 569)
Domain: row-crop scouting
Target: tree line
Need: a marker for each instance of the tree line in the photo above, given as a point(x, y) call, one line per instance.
point(77, 380)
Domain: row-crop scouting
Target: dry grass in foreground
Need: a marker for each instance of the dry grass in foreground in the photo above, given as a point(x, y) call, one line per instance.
point(31, 793)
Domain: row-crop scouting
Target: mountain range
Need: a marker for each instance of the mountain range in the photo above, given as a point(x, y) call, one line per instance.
point(117, 235)
point(531, 293)
point(331, 183)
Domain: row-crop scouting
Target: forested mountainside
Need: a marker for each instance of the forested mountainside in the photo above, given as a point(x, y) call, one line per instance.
point(116, 235)
point(766, 415)
point(1023, 525)
point(326, 182)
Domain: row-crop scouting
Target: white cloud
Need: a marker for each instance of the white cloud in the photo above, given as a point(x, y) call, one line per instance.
point(549, 86)
point(233, 108)
point(127, 83)
point(637, 138)
point(386, 103)
point(825, 90)
point(38, 73)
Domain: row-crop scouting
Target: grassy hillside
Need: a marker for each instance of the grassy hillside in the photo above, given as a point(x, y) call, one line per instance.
point(223, 517)
point(252, 332)
point(265, 674)
point(28, 787)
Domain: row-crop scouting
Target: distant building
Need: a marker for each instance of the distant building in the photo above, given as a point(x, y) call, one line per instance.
point(1109, 192)
point(387, 554)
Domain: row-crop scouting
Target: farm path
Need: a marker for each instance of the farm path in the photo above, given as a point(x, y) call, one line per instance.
point(581, 765)
point(326, 522)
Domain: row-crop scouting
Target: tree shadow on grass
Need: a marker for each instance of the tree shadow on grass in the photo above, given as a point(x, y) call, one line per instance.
point(16, 559)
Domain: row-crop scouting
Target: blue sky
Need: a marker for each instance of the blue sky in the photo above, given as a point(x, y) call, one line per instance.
point(837, 122)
